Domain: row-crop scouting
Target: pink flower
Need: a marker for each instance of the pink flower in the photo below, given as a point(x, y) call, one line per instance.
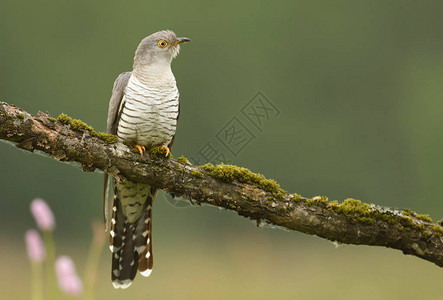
point(43, 215)
point(68, 281)
point(34, 245)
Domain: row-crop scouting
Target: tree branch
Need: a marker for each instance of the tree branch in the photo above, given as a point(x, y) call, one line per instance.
point(250, 195)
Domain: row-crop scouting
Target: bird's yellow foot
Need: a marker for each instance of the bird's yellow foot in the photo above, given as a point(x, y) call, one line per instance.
point(167, 150)
point(141, 149)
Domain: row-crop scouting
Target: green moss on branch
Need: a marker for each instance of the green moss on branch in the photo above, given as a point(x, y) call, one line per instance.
point(80, 125)
point(423, 217)
point(183, 161)
point(197, 173)
point(229, 173)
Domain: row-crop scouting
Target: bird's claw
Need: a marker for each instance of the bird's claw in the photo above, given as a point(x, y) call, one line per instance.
point(167, 150)
point(141, 149)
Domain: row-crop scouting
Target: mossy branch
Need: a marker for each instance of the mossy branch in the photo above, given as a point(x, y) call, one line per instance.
point(250, 195)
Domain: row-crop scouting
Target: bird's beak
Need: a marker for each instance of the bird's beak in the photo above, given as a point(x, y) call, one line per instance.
point(180, 40)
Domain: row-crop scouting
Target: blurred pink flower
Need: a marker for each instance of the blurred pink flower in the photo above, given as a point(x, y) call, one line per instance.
point(34, 245)
point(68, 281)
point(43, 215)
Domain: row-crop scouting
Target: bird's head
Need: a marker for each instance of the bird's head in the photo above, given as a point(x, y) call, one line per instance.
point(158, 48)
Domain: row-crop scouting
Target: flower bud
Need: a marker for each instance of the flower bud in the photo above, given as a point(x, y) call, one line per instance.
point(34, 246)
point(68, 280)
point(43, 215)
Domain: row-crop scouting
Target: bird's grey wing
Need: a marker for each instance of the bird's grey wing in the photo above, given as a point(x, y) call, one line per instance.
point(113, 116)
point(117, 96)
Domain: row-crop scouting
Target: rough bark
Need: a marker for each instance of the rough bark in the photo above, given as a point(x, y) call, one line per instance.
point(351, 222)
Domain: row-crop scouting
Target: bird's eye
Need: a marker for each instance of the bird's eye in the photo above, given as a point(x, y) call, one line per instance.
point(162, 43)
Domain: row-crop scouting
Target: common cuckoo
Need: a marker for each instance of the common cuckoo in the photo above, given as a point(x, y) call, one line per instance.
point(143, 111)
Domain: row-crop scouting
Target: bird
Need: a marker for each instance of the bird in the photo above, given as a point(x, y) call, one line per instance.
point(143, 111)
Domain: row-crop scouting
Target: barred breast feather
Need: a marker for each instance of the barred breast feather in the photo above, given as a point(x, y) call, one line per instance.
point(148, 114)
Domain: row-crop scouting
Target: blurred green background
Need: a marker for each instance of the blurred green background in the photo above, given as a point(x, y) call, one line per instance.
point(359, 88)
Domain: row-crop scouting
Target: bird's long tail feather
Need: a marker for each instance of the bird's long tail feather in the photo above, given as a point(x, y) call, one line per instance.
point(130, 244)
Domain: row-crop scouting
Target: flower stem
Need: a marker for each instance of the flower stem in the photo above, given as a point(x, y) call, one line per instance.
point(36, 281)
point(95, 251)
point(50, 265)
